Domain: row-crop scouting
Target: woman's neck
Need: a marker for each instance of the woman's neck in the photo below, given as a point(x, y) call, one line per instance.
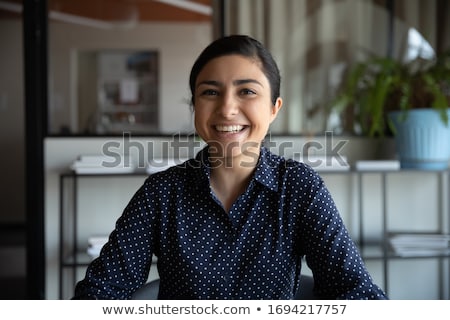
point(230, 179)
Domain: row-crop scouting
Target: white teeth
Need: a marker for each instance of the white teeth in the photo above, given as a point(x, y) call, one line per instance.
point(233, 128)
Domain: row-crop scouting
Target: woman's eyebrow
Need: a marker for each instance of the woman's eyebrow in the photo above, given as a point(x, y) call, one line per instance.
point(244, 81)
point(209, 82)
point(235, 82)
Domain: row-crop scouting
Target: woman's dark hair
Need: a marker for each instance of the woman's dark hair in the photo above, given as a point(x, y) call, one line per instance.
point(244, 46)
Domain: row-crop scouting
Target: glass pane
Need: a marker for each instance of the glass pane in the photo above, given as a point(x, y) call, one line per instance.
point(315, 42)
point(123, 65)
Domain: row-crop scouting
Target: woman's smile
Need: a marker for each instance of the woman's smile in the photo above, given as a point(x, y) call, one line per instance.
point(229, 128)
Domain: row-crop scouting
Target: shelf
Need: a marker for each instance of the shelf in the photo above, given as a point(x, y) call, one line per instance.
point(375, 252)
point(139, 108)
point(73, 174)
point(136, 128)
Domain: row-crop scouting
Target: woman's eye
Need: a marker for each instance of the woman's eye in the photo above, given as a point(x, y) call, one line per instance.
point(209, 92)
point(247, 92)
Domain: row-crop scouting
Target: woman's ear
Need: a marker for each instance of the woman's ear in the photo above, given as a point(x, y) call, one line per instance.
point(275, 108)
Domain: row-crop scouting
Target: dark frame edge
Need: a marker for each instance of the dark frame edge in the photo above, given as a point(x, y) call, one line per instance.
point(35, 33)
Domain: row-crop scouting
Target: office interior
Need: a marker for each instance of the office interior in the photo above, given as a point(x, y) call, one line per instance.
point(65, 63)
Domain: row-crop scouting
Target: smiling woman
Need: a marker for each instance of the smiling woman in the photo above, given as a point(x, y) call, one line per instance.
point(233, 111)
point(236, 221)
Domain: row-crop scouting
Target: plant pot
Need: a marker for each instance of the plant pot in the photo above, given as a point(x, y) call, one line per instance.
point(422, 139)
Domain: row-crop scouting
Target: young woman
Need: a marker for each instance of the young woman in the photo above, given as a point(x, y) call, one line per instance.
point(236, 221)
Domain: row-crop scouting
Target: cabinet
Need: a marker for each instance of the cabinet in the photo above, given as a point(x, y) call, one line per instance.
point(374, 245)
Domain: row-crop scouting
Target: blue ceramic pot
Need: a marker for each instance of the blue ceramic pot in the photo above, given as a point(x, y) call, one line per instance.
point(422, 139)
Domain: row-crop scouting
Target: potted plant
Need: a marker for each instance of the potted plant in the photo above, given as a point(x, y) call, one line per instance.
point(382, 95)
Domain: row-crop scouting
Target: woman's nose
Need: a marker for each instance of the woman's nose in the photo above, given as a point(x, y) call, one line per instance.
point(228, 106)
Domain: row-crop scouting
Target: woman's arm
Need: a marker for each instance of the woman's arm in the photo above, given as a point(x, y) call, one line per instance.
point(124, 262)
point(338, 268)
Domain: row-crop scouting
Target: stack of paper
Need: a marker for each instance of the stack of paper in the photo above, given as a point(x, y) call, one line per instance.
point(420, 244)
point(95, 245)
point(95, 164)
point(324, 163)
point(377, 165)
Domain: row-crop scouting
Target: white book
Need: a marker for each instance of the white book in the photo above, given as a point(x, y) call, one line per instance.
point(98, 164)
point(97, 240)
point(101, 160)
point(409, 245)
point(95, 245)
point(91, 158)
point(422, 252)
point(374, 165)
point(324, 163)
point(103, 170)
point(420, 241)
point(94, 252)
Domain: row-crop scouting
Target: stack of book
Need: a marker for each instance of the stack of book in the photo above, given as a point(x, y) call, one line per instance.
point(427, 244)
point(95, 245)
point(377, 165)
point(324, 163)
point(97, 164)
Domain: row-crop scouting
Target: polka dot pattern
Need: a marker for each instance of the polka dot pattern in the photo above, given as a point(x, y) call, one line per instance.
point(254, 251)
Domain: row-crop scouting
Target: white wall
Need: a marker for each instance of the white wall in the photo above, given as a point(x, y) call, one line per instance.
point(412, 204)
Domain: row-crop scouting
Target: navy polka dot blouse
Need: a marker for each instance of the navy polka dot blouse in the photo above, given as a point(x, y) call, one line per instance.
point(254, 251)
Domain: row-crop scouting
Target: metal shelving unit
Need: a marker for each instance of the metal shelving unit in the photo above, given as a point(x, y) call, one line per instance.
point(382, 250)
point(70, 255)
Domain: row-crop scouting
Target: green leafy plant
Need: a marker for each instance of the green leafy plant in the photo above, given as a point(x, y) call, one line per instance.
point(378, 85)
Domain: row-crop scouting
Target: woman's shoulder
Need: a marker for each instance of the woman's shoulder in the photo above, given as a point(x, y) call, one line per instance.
point(184, 171)
point(290, 171)
point(175, 168)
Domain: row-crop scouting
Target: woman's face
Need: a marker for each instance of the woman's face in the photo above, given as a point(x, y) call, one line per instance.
point(233, 108)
